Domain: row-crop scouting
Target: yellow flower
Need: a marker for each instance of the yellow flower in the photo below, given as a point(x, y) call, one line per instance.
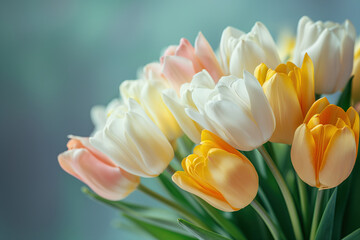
point(324, 149)
point(219, 174)
point(290, 91)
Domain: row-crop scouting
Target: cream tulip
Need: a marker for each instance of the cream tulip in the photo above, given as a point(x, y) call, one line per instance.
point(331, 48)
point(324, 148)
point(133, 142)
point(219, 174)
point(240, 51)
point(147, 92)
point(96, 170)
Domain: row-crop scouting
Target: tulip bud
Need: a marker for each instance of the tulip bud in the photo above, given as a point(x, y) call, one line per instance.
point(180, 64)
point(290, 91)
point(324, 148)
point(133, 142)
point(96, 170)
point(240, 51)
point(147, 92)
point(219, 174)
point(331, 48)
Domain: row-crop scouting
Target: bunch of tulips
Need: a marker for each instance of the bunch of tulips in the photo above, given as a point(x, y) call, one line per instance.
point(243, 140)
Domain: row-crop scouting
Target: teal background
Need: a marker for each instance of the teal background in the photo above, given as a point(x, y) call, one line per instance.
point(59, 58)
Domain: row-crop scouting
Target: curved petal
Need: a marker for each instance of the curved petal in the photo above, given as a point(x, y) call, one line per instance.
point(339, 159)
point(186, 183)
point(234, 177)
point(302, 155)
point(317, 107)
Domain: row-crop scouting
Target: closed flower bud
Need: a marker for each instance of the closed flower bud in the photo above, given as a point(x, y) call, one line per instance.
point(182, 62)
point(147, 92)
point(240, 51)
point(219, 174)
point(133, 142)
point(96, 170)
point(331, 48)
point(324, 149)
point(290, 91)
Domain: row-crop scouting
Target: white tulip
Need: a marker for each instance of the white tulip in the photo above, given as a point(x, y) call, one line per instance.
point(331, 48)
point(240, 51)
point(133, 142)
point(235, 109)
point(147, 92)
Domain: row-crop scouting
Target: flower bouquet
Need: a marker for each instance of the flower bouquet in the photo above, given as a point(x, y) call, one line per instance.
point(243, 141)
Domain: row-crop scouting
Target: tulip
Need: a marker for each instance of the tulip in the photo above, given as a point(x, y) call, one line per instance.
point(286, 45)
point(96, 170)
point(147, 92)
point(324, 149)
point(290, 91)
point(240, 51)
point(133, 142)
point(181, 63)
point(219, 174)
point(235, 109)
point(331, 48)
point(355, 90)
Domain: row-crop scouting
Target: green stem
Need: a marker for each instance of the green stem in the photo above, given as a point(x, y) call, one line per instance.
point(315, 220)
point(227, 225)
point(285, 192)
point(266, 218)
point(303, 203)
point(172, 205)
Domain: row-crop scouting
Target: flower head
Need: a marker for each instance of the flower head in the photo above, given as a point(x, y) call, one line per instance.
point(219, 174)
point(324, 148)
point(96, 170)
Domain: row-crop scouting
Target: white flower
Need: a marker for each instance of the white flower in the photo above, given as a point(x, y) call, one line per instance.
point(235, 109)
point(240, 51)
point(133, 142)
point(331, 48)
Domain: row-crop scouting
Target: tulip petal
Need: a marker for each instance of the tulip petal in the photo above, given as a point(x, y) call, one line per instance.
point(354, 123)
point(186, 50)
point(281, 94)
point(307, 97)
point(229, 173)
point(260, 107)
point(186, 183)
point(303, 153)
point(207, 57)
point(109, 182)
point(190, 128)
point(178, 70)
point(339, 159)
point(317, 107)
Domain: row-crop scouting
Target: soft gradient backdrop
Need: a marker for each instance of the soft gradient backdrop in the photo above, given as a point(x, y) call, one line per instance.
point(59, 58)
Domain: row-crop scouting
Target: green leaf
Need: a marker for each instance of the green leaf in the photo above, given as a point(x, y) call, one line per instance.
point(355, 235)
point(325, 228)
point(157, 231)
point(200, 233)
point(345, 98)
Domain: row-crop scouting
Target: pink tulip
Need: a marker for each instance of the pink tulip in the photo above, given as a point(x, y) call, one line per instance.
point(96, 170)
point(182, 62)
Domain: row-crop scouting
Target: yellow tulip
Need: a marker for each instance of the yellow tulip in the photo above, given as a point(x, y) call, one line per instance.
point(219, 174)
point(290, 91)
point(324, 149)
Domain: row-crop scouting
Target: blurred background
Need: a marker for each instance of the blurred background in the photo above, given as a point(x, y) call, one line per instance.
point(59, 58)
